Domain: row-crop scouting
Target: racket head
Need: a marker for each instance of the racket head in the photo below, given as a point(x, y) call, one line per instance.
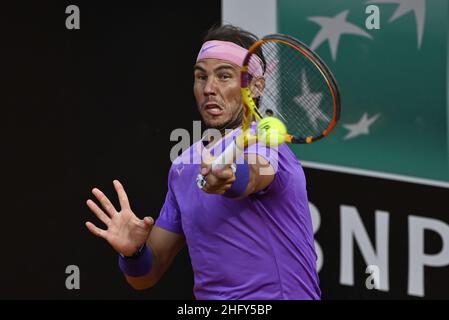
point(299, 88)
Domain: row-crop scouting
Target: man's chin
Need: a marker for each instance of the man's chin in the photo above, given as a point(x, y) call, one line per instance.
point(215, 123)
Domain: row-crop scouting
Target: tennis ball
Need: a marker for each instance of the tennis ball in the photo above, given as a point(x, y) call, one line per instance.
point(271, 131)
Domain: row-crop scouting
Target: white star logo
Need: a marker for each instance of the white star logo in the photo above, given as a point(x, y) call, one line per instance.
point(310, 102)
point(332, 29)
point(405, 6)
point(361, 127)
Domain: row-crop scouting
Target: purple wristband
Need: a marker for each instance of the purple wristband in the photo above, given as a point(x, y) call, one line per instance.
point(241, 181)
point(137, 266)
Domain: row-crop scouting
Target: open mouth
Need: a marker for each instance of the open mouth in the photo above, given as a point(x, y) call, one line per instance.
point(213, 109)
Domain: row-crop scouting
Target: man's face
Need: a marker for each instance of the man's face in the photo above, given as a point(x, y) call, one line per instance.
point(217, 93)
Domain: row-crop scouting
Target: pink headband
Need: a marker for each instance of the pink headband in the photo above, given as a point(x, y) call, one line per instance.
point(229, 51)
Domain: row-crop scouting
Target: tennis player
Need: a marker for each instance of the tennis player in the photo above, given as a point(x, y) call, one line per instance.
point(248, 229)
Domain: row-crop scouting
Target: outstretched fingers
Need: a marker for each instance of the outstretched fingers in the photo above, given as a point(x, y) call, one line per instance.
point(122, 197)
point(95, 230)
point(98, 212)
point(107, 205)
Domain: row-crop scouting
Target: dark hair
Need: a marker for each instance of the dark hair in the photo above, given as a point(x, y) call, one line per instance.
point(236, 35)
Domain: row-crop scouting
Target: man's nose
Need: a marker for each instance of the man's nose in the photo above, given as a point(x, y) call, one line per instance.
point(210, 88)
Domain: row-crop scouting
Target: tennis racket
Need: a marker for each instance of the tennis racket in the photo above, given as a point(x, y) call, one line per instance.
point(299, 90)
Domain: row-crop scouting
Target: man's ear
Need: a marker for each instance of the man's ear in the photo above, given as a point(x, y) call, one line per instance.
point(256, 86)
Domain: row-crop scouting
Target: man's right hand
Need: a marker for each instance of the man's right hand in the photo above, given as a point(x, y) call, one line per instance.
point(125, 232)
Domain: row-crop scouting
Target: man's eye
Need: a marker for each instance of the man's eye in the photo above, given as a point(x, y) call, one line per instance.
point(225, 76)
point(201, 77)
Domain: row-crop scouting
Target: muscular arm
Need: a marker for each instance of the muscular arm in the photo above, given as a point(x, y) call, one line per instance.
point(164, 245)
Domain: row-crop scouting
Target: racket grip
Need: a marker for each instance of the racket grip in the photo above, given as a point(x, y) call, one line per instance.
point(228, 156)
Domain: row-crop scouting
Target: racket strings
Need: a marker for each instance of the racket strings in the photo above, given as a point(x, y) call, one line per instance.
point(295, 91)
point(302, 100)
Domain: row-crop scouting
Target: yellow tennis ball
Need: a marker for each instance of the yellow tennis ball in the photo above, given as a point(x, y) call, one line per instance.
point(271, 131)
